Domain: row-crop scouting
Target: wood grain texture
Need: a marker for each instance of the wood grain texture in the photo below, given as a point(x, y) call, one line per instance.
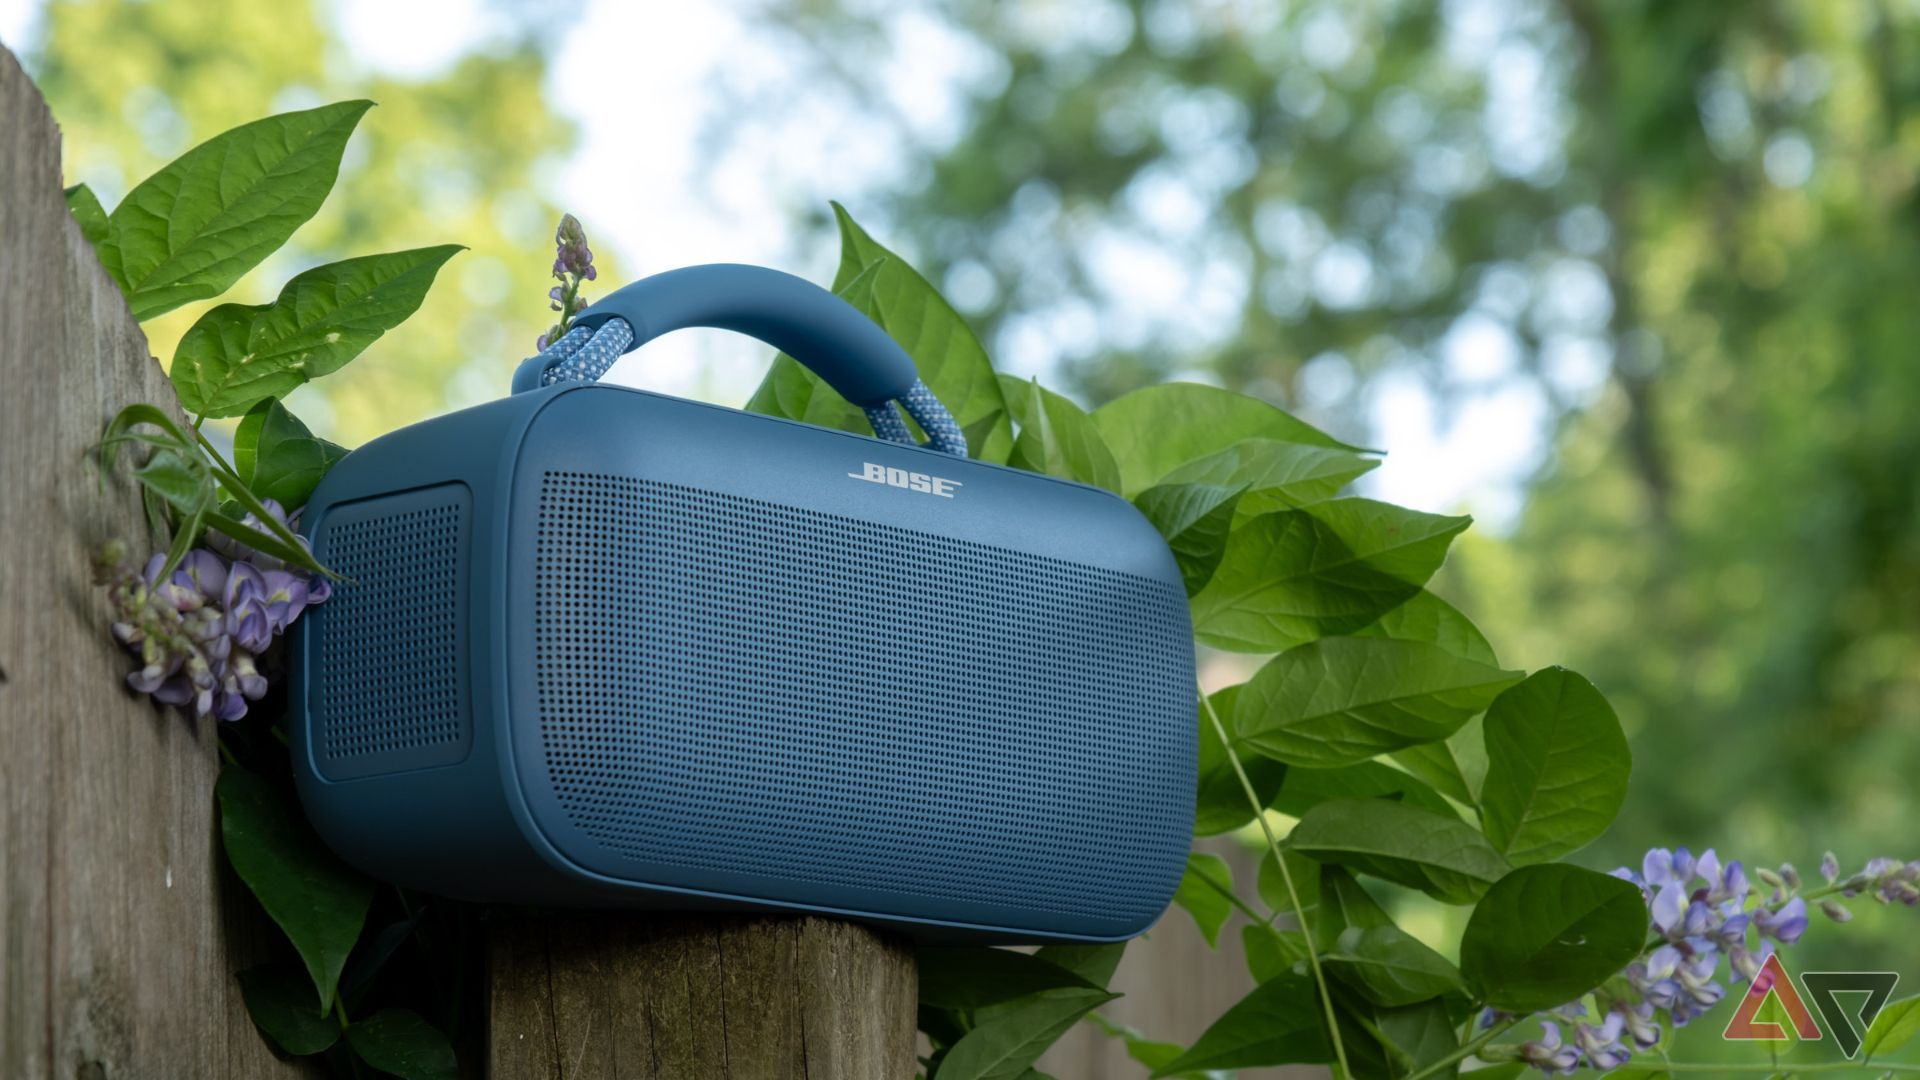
point(644, 997)
point(113, 958)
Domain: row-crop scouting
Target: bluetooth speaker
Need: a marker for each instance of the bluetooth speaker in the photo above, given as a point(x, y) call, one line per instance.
point(593, 646)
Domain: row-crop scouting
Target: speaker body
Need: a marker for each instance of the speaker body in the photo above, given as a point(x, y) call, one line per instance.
point(602, 647)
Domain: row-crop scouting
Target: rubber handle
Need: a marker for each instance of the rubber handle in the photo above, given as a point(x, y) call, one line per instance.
point(827, 334)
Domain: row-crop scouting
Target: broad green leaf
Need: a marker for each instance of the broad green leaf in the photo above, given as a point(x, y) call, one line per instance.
point(316, 899)
point(1094, 963)
point(398, 1041)
point(1390, 967)
point(1557, 765)
point(1148, 1052)
point(1303, 789)
point(1340, 701)
point(193, 228)
point(1272, 886)
point(1276, 475)
point(964, 977)
point(950, 358)
point(1428, 618)
point(1271, 953)
point(1456, 766)
point(1007, 1039)
point(1290, 577)
point(1279, 1023)
point(1544, 935)
point(1157, 429)
point(239, 354)
point(1221, 802)
point(1056, 436)
point(87, 212)
point(278, 457)
point(1344, 905)
point(1393, 1041)
point(179, 478)
point(1894, 1027)
point(1195, 519)
point(1443, 857)
point(280, 1000)
point(1204, 893)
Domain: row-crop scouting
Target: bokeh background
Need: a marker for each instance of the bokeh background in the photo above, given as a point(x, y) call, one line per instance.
point(1633, 281)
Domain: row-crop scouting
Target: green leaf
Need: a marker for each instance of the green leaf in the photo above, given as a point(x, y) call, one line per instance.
point(1056, 436)
point(1151, 1053)
point(1443, 857)
point(85, 207)
point(1894, 1027)
point(1507, 1070)
point(1195, 520)
point(974, 977)
point(1279, 1023)
point(192, 229)
point(1428, 618)
point(1270, 953)
point(1094, 963)
point(278, 457)
point(1157, 429)
point(1272, 887)
point(1304, 789)
point(1340, 701)
point(1544, 935)
point(1390, 966)
point(316, 899)
point(1288, 578)
point(1557, 765)
point(240, 354)
point(1276, 475)
point(1393, 1041)
point(280, 999)
point(179, 478)
point(949, 357)
point(1204, 893)
point(1344, 905)
point(1221, 804)
point(398, 1041)
point(1455, 766)
point(1007, 1040)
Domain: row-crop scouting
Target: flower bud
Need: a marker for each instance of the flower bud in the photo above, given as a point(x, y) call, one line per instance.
point(1789, 875)
point(1835, 910)
point(1830, 867)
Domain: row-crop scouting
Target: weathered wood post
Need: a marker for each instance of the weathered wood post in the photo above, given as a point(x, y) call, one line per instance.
point(115, 958)
point(639, 997)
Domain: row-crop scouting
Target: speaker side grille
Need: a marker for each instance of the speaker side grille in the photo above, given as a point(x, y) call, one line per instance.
point(726, 684)
point(389, 689)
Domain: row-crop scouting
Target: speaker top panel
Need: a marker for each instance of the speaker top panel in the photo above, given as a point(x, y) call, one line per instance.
point(771, 661)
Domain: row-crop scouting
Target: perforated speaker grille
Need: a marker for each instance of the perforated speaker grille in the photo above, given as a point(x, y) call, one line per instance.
point(726, 684)
point(389, 685)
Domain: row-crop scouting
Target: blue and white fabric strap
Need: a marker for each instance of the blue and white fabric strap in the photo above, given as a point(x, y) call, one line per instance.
point(583, 354)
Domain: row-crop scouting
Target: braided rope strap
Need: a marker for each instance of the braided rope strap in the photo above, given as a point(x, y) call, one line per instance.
point(583, 354)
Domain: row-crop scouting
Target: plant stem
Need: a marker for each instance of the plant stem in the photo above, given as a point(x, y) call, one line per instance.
point(1293, 897)
point(1467, 1050)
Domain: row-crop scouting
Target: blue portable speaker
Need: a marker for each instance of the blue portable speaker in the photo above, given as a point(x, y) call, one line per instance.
point(602, 647)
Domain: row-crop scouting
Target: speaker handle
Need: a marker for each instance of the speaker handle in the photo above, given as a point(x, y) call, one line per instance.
point(833, 339)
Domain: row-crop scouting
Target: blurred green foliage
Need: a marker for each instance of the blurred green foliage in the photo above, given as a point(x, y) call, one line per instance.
point(456, 154)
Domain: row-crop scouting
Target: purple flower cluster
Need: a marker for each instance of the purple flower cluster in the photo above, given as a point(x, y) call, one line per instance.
point(1700, 909)
point(199, 630)
point(572, 264)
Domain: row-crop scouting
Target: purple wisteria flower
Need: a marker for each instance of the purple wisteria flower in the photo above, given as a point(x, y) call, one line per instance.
point(1698, 909)
point(199, 630)
point(572, 265)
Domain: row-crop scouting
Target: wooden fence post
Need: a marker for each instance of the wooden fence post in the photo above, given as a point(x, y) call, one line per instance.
point(640, 997)
point(115, 958)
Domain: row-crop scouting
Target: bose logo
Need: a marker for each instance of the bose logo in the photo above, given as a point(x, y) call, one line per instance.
point(901, 478)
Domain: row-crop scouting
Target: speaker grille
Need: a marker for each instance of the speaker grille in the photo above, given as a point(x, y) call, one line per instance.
point(729, 684)
point(389, 689)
